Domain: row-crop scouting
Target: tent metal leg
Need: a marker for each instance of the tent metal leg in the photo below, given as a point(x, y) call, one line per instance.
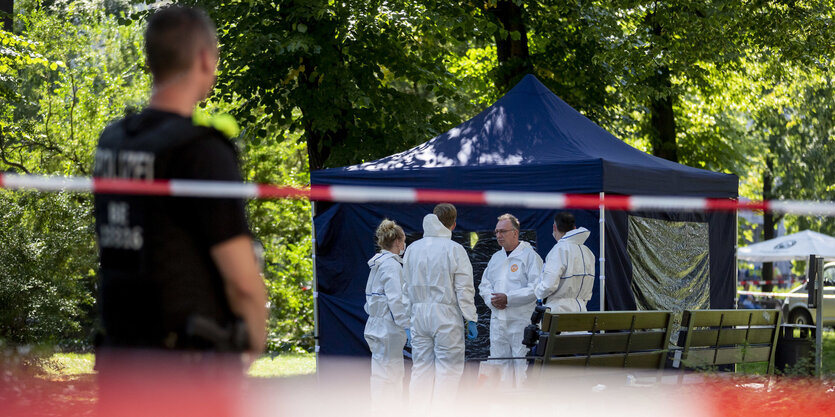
point(602, 255)
point(315, 288)
point(736, 256)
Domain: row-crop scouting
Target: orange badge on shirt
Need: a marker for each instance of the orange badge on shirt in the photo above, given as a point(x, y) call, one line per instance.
point(514, 268)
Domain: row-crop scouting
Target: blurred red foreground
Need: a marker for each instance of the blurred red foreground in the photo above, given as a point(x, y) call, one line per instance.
point(199, 387)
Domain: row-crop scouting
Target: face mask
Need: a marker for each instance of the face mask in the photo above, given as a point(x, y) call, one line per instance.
point(402, 251)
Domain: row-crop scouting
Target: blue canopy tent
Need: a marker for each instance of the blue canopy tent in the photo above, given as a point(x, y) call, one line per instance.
point(531, 140)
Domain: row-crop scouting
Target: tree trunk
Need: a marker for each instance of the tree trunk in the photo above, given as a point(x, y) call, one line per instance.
point(663, 119)
point(316, 157)
point(768, 224)
point(513, 54)
point(320, 143)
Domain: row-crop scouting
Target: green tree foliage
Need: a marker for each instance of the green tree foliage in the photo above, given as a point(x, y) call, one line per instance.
point(358, 79)
point(47, 269)
point(283, 228)
point(87, 70)
point(794, 129)
point(64, 108)
point(642, 69)
point(17, 55)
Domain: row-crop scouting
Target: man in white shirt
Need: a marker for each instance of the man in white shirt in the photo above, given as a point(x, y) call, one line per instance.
point(507, 287)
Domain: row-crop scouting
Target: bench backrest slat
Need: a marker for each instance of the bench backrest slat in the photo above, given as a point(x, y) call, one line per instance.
point(623, 339)
point(615, 360)
point(708, 318)
point(611, 320)
point(577, 344)
point(728, 356)
point(736, 336)
point(724, 337)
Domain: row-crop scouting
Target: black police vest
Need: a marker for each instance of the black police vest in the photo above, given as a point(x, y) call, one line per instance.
point(155, 275)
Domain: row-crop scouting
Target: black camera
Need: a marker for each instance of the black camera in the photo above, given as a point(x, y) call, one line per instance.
point(532, 332)
point(538, 313)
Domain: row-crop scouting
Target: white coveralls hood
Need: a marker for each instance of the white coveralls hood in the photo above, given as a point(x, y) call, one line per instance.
point(568, 276)
point(439, 286)
point(388, 318)
point(432, 227)
point(516, 276)
point(384, 289)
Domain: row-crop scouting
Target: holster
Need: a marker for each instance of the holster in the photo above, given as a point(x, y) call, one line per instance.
point(204, 333)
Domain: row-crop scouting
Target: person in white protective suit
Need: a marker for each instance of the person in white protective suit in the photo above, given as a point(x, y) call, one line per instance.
point(568, 275)
point(507, 287)
point(439, 286)
point(387, 328)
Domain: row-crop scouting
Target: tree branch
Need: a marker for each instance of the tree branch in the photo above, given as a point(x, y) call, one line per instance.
point(72, 107)
point(10, 163)
point(48, 116)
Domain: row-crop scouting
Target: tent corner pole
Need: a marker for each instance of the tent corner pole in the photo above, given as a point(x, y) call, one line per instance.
point(315, 289)
point(602, 252)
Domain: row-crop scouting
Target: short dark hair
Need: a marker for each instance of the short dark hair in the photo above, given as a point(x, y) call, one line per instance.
point(173, 36)
point(564, 221)
point(446, 214)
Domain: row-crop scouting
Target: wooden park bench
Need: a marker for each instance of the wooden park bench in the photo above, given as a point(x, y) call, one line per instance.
point(709, 339)
point(619, 339)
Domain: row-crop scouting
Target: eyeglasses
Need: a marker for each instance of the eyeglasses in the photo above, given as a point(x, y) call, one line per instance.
point(502, 231)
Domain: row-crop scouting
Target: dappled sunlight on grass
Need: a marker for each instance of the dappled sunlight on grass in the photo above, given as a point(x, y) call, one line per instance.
point(828, 354)
point(283, 365)
point(69, 364)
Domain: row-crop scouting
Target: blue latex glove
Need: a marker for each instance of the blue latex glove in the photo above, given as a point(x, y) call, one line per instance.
point(472, 330)
point(408, 337)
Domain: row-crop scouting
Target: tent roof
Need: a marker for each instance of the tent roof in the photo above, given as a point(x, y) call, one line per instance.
point(532, 140)
point(796, 246)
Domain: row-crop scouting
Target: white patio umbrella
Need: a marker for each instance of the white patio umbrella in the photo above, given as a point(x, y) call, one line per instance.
point(796, 246)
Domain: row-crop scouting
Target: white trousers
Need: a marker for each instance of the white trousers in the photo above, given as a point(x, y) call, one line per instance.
point(386, 341)
point(437, 354)
point(506, 341)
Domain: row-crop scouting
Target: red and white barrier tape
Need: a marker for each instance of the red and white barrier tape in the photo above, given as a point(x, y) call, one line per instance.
point(368, 194)
point(767, 282)
point(782, 294)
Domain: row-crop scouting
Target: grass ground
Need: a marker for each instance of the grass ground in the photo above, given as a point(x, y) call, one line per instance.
point(827, 361)
point(75, 364)
point(68, 382)
point(68, 365)
point(284, 365)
